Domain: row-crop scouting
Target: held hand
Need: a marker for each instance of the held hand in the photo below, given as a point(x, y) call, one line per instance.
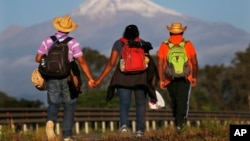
point(91, 83)
point(97, 82)
point(194, 82)
point(162, 85)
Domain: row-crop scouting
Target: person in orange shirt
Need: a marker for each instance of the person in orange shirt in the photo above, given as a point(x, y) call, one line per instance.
point(178, 87)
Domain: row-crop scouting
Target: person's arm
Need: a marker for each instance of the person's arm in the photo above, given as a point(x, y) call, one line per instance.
point(160, 67)
point(84, 66)
point(47, 42)
point(38, 57)
point(194, 62)
point(109, 66)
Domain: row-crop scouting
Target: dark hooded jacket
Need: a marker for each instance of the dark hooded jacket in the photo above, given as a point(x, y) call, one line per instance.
point(146, 79)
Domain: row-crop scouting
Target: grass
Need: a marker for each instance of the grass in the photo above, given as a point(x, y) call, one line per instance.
point(207, 131)
point(170, 134)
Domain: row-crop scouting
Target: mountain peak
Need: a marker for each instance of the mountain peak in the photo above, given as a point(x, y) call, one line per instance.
point(109, 7)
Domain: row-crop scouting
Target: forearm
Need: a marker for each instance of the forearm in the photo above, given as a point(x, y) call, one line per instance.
point(106, 71)
point(195, 70)
point(86, 71)
point(160, 68)
point(195, 66)
point(85, 68)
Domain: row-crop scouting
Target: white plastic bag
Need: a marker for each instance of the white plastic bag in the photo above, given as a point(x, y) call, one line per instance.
point(159, 104)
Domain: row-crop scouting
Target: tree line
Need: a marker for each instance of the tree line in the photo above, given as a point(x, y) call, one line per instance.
point(7, 101)
point(220, 87)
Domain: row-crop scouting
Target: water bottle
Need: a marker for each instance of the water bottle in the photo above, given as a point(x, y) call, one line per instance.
point(43, 66)
point(122, 65)
point(43, 63)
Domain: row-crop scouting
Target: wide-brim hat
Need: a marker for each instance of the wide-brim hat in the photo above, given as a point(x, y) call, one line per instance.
point(64, 24)
point(176, 28)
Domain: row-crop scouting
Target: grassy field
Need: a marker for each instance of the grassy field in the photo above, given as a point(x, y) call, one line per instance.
point(207, 131)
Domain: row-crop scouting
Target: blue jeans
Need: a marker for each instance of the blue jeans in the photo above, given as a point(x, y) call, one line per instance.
point(58, 94)
point(140, 101)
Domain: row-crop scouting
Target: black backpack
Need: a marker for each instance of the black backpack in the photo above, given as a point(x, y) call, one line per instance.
point(56, 63)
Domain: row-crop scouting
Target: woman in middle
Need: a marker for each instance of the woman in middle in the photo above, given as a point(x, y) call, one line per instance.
point(140, 84)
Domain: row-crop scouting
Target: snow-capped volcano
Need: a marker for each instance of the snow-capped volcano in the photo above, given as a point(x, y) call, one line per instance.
point(111, 7)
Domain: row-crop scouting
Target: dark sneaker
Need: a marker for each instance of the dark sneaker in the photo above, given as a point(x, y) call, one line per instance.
point(180, 129)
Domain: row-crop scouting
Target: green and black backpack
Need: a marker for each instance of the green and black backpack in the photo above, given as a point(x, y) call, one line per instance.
point(177, 60)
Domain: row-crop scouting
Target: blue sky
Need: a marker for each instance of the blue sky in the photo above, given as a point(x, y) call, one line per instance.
point(30, 12)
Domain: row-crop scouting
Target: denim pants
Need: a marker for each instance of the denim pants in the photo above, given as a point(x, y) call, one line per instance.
point(58, 94)
point(125, 101)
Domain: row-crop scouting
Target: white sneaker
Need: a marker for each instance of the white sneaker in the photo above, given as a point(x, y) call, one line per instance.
point(69, 139)
point(124, 129)
point(138, 134)
point(51, 136)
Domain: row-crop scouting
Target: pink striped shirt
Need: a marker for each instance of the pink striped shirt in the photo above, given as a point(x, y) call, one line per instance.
point(75, 50)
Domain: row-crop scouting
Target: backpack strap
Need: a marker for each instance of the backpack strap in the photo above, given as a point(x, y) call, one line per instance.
point(167, 42)
point(181, 44)
point(67, 40)
point(124, 40)
point(54, 39)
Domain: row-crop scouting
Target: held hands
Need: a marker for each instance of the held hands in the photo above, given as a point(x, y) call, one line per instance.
point(163, 84)
point(93, 83)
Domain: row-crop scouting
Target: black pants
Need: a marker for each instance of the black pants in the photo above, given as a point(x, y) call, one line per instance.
point(179, 90)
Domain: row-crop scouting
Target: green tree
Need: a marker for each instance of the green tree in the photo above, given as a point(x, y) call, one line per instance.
point(211, 83)
point(11, 102)
point(96, 62)
point(97, 99)
point(240, 80)
point(224, 87)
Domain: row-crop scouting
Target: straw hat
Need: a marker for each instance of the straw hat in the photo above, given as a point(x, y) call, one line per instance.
point(64, 24)
point(176, 28)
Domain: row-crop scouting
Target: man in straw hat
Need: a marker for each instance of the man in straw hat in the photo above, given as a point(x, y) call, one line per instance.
point(58, 89)
point(179, 83)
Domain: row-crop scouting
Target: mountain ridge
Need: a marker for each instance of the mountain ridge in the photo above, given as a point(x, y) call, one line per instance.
point(96, 7)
